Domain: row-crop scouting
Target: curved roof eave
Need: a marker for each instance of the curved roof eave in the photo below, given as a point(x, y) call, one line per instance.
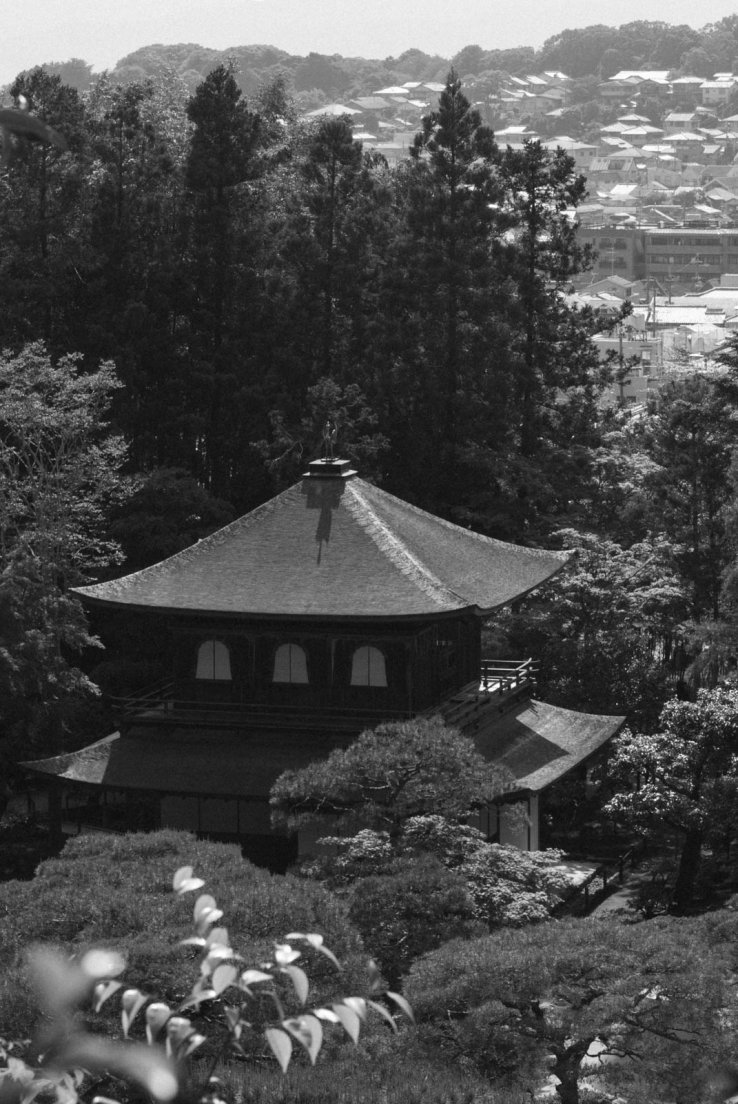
point(335, 549)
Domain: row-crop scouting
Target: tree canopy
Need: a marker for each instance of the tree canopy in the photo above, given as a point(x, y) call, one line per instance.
point(395, 771)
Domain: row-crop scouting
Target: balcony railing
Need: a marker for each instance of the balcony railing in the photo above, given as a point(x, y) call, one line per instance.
point(501, 676)
point(499, 681)
point(501, 684)
point(155, 709)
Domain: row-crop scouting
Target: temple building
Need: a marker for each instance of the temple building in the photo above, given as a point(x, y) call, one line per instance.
point(329, 609)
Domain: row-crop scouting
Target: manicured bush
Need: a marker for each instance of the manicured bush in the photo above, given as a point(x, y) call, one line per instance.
point(408, 912)
point(116, 891)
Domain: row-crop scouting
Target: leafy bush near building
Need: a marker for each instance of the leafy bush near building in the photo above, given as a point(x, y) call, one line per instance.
point(413, 908)
point(116, 890)
point(434, 881)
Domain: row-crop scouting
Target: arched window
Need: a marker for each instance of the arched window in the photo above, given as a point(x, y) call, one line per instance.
point(213, 661)
point(368, 667)
point(290, 664)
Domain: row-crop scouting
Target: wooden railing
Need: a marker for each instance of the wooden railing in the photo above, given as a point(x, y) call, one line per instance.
point(159, 706)
point(501, 676)
point(600, 883)
point(499, 680)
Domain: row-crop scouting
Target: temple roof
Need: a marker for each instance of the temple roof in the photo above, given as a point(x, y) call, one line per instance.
point(335, 546)
point(538, 743)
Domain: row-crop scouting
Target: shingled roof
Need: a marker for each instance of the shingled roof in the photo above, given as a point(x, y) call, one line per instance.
point(536, 742)
point(540, 743)
point(334, 546)
point(207, 762)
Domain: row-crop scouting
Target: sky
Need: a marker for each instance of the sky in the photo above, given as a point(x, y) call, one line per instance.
point(102, 31)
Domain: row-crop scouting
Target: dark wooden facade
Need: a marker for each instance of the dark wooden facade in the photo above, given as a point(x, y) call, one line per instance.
point(420, 663)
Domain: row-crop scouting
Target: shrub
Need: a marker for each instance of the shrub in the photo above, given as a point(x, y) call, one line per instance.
point(117, 890)
point(229, 1010)
point(23, 845)
point(508, 887)
point(403, 914)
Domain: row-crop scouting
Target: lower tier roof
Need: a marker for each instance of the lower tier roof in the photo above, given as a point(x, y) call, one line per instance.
point(536, 742)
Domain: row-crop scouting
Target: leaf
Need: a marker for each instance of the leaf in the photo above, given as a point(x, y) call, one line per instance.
point(300, 982)
point(131, 1002)
point(315, 940)
point(326, 1014)
point(203, 902)
point(218, 937)
point(193, 1042)
point(308, 1031)
point(385, 1012)
point(183, 882)
point(251, 977)
point(102, 964)
point(376, 982)
point(156, 1017)
point(281, 1046)
point(103, 990)
point(223, 976)
point(350, 1021)
point(207, 917)
point(401, 1004)
point(233, 1019)
point(284, 954)
point(358, 1004)
point(201, 991)
point(179, 1031)
point(180, 876)
point(135, 1062)
point(215, 956)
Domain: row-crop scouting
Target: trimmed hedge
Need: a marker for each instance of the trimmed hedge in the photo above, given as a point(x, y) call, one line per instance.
point(117, 891)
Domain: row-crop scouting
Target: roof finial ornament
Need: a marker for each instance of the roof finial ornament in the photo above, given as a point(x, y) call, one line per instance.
point(330, 432)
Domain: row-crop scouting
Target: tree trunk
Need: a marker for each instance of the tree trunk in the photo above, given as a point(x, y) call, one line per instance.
point(689, 865)
point(567, 1089)
point(568, 1068)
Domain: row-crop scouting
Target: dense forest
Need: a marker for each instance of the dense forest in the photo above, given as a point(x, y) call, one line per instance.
point(198, 281)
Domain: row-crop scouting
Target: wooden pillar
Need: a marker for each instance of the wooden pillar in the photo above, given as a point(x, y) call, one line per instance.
point(533, 831)
point(409, 664)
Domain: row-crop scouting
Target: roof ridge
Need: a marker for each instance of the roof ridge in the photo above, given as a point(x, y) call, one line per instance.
point(395, 549)
point(544, 553)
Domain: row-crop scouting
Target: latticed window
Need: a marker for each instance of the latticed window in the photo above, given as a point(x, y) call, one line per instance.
point(213, 661)
point(290, 664)
point(368, 667)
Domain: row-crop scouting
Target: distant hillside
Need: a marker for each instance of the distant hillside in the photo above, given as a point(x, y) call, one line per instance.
point(596, 51)
point(332, 75)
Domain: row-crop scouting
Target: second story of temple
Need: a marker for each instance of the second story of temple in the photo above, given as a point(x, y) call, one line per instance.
point(333, 599)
